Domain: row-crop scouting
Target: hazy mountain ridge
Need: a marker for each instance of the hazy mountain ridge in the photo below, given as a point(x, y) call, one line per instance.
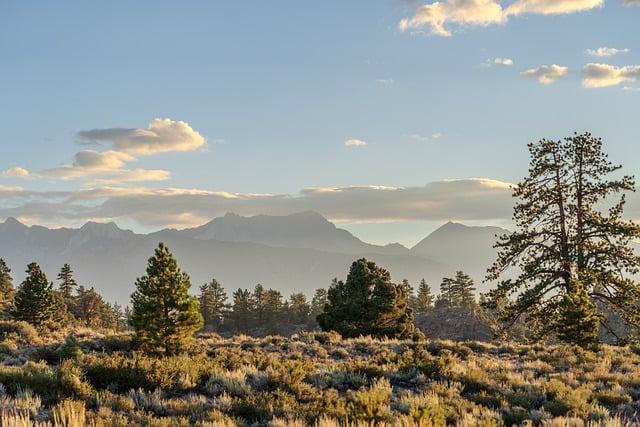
point(306, 229)
point(109, 258)
point(463, 247)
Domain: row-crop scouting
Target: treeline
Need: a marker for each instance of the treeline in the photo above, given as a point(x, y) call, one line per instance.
point(259, 311)
point(43, 304)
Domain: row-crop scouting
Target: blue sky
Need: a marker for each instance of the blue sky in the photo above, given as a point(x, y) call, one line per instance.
point(276, 88)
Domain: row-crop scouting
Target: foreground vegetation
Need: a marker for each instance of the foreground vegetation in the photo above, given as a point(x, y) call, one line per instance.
point(311, 379)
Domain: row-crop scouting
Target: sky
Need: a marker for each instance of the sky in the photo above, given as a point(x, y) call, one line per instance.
point(389, 117)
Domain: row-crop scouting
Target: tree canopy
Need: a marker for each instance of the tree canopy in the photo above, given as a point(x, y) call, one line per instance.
point(571, 249)
point(164, 315)
point(368, 303)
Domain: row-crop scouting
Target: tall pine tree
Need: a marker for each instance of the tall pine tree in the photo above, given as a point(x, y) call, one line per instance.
point(35, 300)
point(571, 255)
point(6, 289)
point(423, 301)
point(67, 284)
point(164, 315)
point(368, 303)
point(213, 304)
point(241, 316)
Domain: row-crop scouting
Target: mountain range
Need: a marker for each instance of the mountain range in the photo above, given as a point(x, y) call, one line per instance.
point(293, 253)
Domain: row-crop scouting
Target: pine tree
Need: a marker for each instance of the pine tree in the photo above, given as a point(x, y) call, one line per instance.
point(258, 305)
point(318, 302)
point(213, 304)
point(7, 292)
point(122, 322)
point(241, 315)
point(445, 298)
point(273, 311)
point(423, 301)
point(35, 300)
point(164, 315)
point(411, 294)
point(67, 283)
point(566, 245)
point(368, 303)
point(299, 309)
point(462, 290)
point(579, 319)
point(92, 310)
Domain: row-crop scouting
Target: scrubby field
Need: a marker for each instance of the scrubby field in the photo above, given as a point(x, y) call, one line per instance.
point(311, 379)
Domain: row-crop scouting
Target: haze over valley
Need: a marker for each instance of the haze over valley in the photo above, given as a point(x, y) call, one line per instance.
point(294, 253)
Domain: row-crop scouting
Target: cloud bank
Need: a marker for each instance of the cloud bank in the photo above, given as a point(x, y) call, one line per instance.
point(462, 199)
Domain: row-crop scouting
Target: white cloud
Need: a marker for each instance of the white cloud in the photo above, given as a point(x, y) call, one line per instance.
point(441, 15)
point(104, 167)
point(552, 7)
point(503, 61)
point(460, 12)
point(474, 199)
point(355, 143)
point(631, 89)
point(15, 172)
point(604, 52)
point(161, 136)
point(108, 167)
point(604, 75)
point(631, 2)
point(385, 82)
point(546, 74)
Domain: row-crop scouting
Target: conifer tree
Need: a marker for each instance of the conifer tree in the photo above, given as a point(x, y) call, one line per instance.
point(299, 308)
point(67, 284)
point(368, 303)
point(164, 315)
point(567, 249)
point(411, 295)
point(92, 310)
point(273, 311)
point(213, 304)
point(462, 290)
point(258, 305)
point(35, 300)
point(241, 315)
point(423, 301)
point(7, 292)
point(318, 302)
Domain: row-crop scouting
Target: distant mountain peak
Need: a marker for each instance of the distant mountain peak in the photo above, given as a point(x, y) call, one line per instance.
point(103, 229)
point(12, 223)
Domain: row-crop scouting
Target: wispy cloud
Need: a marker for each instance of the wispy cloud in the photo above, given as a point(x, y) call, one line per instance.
point(426, 138)
point(386, 82)
point(442, 16)
point(15, 172)
point(355, 143)
point(604, 75)
point(605, 52)
point(546, 74)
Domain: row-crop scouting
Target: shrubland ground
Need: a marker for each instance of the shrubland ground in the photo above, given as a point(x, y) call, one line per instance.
point(311, 379)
